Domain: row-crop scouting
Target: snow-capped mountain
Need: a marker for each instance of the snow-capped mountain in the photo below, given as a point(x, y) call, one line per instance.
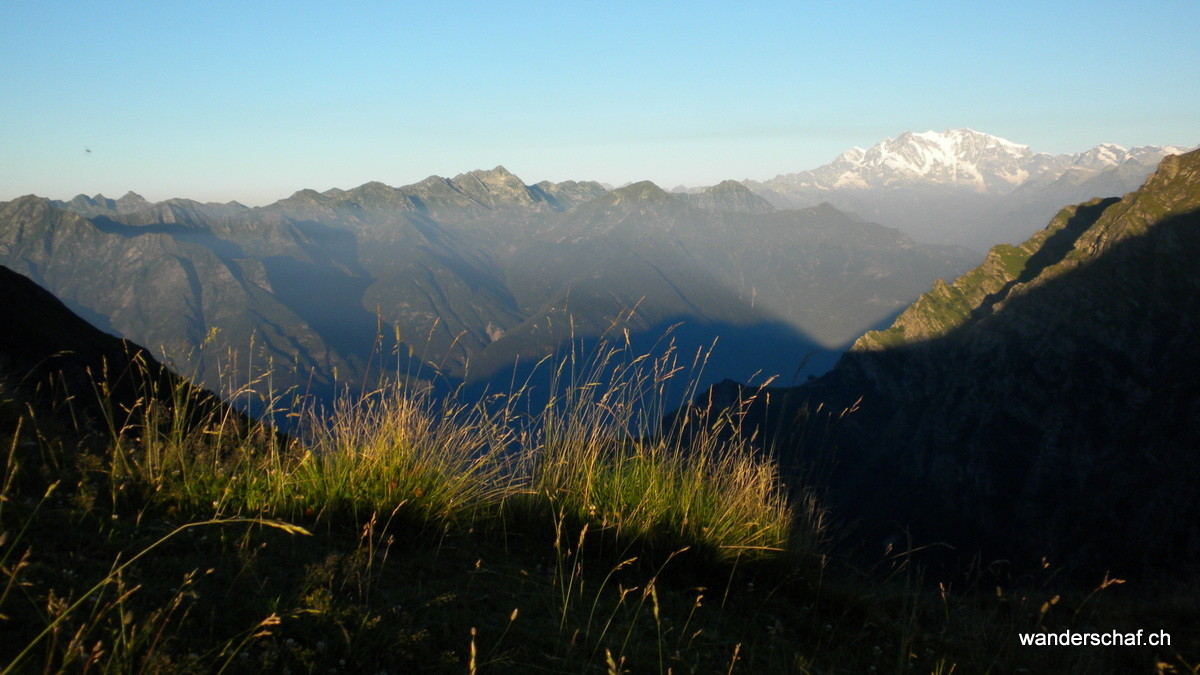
point(961, 158)
point(962, 186)
point(956, 157)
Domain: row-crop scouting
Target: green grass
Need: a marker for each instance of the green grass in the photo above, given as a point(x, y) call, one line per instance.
point(1011, 259)
point(394, 533)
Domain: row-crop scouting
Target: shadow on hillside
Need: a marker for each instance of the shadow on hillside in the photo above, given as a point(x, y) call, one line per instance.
point(1064, 425)
point(327, 290)
point(1051, 252)
point(76, 378)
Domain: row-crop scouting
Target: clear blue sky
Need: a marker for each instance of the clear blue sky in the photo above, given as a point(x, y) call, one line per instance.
point(254, 100)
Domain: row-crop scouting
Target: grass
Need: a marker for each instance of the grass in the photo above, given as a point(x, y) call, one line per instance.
point(395, 533)
point(1012, 259)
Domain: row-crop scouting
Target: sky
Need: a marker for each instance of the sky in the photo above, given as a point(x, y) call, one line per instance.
point(251, 101)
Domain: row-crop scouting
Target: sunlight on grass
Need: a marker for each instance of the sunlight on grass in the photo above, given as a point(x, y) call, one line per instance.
point(594, 453)
point(591, 459)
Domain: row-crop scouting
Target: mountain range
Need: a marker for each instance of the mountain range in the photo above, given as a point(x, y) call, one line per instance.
point(1011, 456)
point(961, 186)
point(468, 279)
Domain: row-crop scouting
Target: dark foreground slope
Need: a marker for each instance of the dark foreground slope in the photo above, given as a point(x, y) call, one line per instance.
point(1045, 404)
point(75, 375)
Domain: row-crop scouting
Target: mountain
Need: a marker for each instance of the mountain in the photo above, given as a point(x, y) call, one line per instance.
point(957, 157)
point(1046, 403)
point(961, 186)
point(728, 195)
point(458, 279)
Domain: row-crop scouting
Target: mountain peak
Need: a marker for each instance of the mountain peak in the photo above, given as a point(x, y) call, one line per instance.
point(728, 195)
point(374, 185)
point(494, 188)
point(962, 186)
point(955, 157)
point(375, 196)
point(370, 189)
point(131, 201)
point(305, 196)
point(967, 135)
point(568, 194)
point(958, 158)
point(728, 185)
point(644, 191)
point(496, 174)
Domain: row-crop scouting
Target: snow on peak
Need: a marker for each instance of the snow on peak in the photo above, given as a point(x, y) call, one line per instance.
point(958, 158)
point(961, 157)
point(1103, 155)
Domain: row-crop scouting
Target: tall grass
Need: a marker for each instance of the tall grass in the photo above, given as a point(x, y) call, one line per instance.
point(591, 459)
point(604, 458)
point(594, 453)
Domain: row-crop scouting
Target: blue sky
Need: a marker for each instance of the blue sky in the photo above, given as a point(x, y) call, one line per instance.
point(252, 101)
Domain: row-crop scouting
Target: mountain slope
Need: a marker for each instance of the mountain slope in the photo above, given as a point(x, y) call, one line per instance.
point(816, 271)
point(162, 284)
point(1048, 402)
point(79, 377)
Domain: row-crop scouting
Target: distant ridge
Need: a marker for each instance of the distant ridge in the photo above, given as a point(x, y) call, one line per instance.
point(728, 196)
point(961, 186)
point(957, 157)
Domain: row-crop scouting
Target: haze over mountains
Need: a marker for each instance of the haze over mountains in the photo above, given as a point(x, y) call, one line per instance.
point(470, 274)
point(961, 186)
point(462, 278)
